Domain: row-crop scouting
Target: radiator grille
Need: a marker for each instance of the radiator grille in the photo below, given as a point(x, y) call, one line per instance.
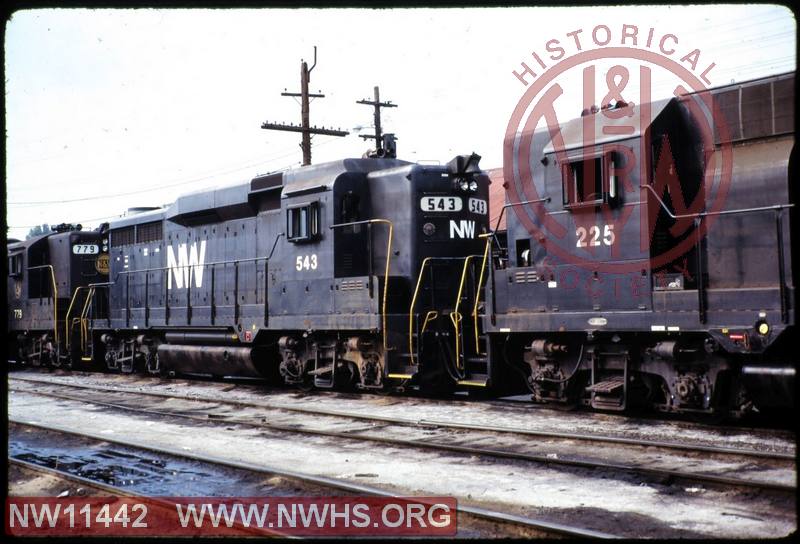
point(529, 276)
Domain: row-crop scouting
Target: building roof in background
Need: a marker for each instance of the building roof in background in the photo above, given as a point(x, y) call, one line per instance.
point(497, 197)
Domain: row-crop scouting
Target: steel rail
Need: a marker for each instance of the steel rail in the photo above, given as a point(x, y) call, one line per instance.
point(437, 423)
point(440, 446)
point(119, 491)
point(74, 478)
point(324, 481)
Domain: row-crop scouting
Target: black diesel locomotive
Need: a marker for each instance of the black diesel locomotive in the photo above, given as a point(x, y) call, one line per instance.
point(612, 291)
point(617, 291)
point(49, 294)
point(344, 273)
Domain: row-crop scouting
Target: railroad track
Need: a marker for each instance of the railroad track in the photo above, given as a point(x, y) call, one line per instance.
point(516, 406)
point(469, 514)
point(105, 489)
point(450, 436)
point(423, 422)
point(102, 487)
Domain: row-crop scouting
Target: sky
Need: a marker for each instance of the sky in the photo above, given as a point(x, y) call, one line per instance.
point(112, 109)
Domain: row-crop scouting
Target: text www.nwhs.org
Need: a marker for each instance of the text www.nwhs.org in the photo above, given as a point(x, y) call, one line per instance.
point(210, 516)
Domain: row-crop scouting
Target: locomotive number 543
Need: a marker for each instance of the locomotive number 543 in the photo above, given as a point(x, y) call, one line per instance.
point(306, 262)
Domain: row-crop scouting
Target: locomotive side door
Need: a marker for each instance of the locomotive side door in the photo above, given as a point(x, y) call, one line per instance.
point(354, 245)
point(304, 300)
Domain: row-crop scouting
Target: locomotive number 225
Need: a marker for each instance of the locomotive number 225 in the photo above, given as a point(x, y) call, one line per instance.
point(594, 236)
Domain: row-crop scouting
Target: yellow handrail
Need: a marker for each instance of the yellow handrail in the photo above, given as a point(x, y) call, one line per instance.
point(480, 285)
point(67, 326)
point(455, 316)
point(411, 310)
point(85, 320)
point(430, 316)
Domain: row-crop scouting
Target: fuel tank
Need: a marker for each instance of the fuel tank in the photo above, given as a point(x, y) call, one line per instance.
point(215, 360)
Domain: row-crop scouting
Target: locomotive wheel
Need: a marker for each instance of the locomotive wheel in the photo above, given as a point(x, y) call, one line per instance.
point(307, 385)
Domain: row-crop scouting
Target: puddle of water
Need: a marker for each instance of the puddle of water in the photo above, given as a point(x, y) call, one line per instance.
point(142, 472)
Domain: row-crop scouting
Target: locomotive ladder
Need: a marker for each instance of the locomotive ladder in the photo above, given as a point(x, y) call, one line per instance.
point(325, 363)
point(464, 360)
point(85, 347)
point(416, 331)
point(472, 365)
point(609, 388)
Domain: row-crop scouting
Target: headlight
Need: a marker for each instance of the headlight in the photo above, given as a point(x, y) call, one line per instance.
point(463, 185)
point(473, 186)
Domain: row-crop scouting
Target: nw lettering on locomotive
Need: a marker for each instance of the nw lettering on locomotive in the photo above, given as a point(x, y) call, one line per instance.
point(462, 229)
point(189, 263)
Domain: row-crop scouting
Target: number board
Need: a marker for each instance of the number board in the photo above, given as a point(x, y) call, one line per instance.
point(478, 205)
point(85, 249)
point(440, 204)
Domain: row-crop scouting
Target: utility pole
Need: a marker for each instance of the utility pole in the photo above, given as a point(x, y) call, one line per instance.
point(377, 115)
point(305, 124)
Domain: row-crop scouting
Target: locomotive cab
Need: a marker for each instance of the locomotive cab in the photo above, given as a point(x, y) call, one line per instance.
point(376, 256)
point(656, 268)
point(48, 293)
point(446, 210)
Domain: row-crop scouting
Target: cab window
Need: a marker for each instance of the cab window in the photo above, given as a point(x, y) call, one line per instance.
point(15, 265)
point(303, 222)
point(583, 181)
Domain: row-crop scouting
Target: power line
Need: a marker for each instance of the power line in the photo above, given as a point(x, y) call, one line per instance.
point(140, 191)
point(117, 195)
point(220, 170)
point(169, 185)
point(78, 221)
point(149, 189)
point(305, 124)
point(379, 137)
